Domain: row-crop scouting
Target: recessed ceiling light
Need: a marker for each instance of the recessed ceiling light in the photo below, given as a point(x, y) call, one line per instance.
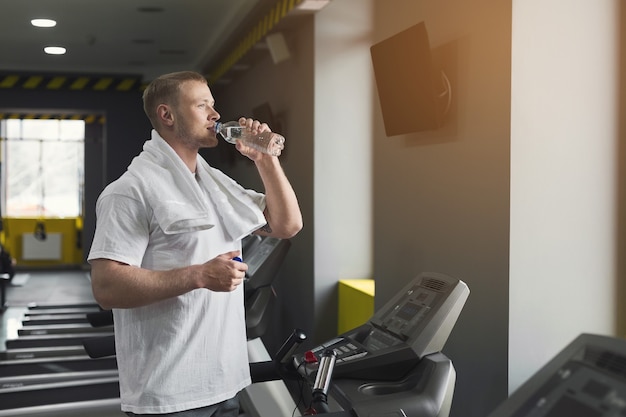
point(54, 50)
point(43, 23)
point(313, 5)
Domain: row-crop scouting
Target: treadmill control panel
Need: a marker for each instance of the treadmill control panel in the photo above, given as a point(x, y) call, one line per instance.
point(262, 251)
point(587, 378)
point(578, 391)
point(405, 316)
point(345, 349)
point(264, 257)
point(416, 322)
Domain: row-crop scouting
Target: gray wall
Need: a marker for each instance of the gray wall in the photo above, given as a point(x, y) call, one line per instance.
point(441, 199)
point(288, 88)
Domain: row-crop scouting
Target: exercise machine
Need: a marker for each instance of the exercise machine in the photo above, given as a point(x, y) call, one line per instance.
point(586, 379)
point(57, 381)
point(45, 371)
point(59, 334)
point(74, 364)
point(93, 397)
point(390, 366)
point(4, 280)
point(264, 257)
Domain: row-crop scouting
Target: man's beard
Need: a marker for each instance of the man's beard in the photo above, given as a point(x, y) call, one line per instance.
point(184, 132)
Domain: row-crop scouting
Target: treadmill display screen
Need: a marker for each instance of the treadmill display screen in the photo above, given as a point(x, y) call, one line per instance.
point(406, 317)
point(408, 311)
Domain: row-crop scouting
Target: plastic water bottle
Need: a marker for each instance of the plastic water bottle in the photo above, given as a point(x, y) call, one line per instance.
point(267, 142)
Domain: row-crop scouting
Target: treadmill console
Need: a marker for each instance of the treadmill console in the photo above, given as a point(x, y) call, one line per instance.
point(587, 379)
point(264, 256)
point(415, 323)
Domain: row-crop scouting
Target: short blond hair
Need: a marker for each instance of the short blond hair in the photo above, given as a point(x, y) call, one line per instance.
point(164, 90)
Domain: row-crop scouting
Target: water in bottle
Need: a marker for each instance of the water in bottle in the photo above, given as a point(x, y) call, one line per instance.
point(267, 142)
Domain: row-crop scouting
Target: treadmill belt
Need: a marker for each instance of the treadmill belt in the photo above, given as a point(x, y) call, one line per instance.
point(49, 340)
point(64, 393)
point(57, 366)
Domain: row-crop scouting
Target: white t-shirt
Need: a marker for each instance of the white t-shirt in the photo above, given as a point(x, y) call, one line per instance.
point(181, 353)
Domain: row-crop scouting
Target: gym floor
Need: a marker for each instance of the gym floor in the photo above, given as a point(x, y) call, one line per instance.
point(42, 288)
point(49, 287)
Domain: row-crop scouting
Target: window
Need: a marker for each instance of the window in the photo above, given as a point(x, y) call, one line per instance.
point(42, 167)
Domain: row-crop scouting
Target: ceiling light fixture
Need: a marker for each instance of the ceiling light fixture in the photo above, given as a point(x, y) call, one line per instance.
point(43, 23)
point(54, 50)
point(312, 5)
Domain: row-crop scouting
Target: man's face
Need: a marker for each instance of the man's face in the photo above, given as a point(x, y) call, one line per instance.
point(195, 116)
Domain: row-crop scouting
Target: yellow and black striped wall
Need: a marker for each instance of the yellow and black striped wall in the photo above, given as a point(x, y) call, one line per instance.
point(68, 82)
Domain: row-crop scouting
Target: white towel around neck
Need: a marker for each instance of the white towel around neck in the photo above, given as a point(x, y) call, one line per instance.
point(180, 204)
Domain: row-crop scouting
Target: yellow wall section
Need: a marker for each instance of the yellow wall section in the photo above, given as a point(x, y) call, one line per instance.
point(69, 228)
point(356, 303)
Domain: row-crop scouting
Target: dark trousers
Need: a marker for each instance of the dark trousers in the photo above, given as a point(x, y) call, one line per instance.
point(228, 408)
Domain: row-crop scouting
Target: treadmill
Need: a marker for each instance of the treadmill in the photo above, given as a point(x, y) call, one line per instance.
point(393, 365)
point(59, 386)
point(264, 256)
point(13, 368)
point(24, 362)
point(93, 397)
point(586, 379)
point(53, 331)
point(39, 378)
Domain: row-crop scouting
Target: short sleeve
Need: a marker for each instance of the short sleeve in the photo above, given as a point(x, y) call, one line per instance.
point(122, 229)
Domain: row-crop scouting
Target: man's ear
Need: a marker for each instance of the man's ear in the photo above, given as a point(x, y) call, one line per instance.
point(165, 114)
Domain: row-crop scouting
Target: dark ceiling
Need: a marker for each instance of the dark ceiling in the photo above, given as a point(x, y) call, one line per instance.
point(132, 37)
